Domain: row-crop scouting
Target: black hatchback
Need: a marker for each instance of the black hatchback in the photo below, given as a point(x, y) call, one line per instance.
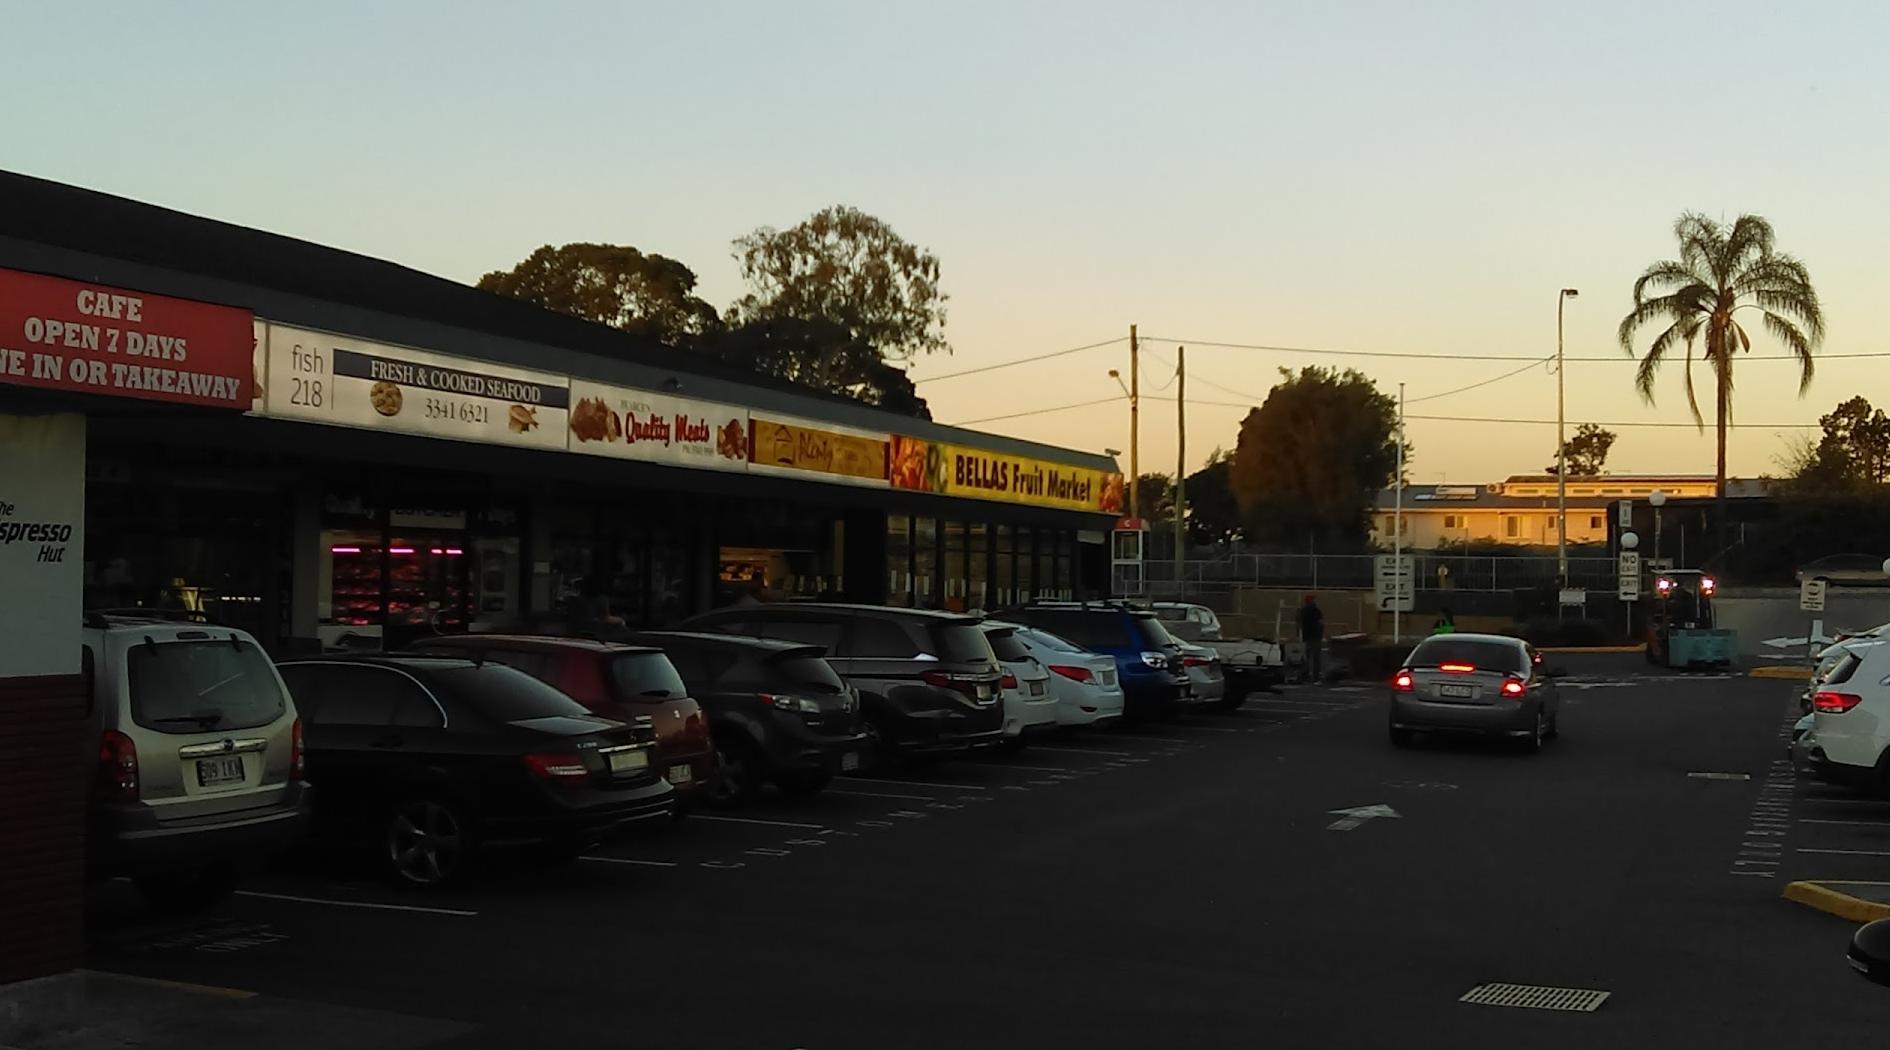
point(431, 760)
point(776, 710)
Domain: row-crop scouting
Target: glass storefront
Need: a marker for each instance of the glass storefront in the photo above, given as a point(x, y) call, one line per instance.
point(899, 589)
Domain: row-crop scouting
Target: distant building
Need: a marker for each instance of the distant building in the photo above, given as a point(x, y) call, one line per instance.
point(1521, 510)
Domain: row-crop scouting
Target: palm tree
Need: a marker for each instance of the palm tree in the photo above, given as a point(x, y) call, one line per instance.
point(1722, 270)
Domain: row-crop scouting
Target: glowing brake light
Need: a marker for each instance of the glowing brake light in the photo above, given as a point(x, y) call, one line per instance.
point(1457, 668)
point(1402, 682)
point(1832, 703)
point(1706, 586)
point(1513, 687)
point(557, 768)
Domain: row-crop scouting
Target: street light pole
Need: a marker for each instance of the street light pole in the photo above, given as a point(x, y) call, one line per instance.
point(1657, 499)
point(1561, 449)
point(1397, 536)
point(1135, 425)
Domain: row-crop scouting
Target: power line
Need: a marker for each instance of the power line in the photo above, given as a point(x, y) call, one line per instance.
point(1409, 356)
point(1041, 411)
point(1506, 375)
point(1537, 422)
point(1173, 372)
point(1022, 360)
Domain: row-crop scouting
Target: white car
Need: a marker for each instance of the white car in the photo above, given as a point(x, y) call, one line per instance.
point(1189, 622)
point(1028, 706)
point(1083, 683)
point(1203, 665)
point(1850, 733)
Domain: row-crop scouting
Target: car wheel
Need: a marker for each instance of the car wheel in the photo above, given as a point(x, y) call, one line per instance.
point(176, 894)
point(1401, 737)
point(426, 843)
point(803, 782)
point(736, 778)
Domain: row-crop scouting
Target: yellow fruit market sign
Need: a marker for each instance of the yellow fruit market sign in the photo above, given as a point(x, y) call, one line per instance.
point(957, 470)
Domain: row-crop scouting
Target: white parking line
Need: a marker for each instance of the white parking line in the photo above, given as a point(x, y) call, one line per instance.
point(1086, 751)
point(1858, 823)
point(912, 783)
point(1849, 852)
point(627, 860)
point(751, 820)
point(354, 904)
point(1033, 769)
point(878, 794)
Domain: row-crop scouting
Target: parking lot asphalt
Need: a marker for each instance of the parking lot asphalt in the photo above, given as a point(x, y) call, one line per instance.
point(1197, 882)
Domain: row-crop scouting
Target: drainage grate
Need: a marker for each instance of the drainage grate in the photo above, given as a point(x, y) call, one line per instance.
point(1535, 997)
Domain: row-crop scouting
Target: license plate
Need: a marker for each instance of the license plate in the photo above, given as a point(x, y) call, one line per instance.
point(849, 761)
point(1457, 692)
point(1036, 689)
point(627, 761)
point(681, 774)
point(224, 769)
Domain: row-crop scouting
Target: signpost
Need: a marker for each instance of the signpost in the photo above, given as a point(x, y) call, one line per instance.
point(1628, 588)
point(1394, 583)
point(1811, 600)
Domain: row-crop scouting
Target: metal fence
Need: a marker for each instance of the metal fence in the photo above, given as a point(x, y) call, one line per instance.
point(1434, 571)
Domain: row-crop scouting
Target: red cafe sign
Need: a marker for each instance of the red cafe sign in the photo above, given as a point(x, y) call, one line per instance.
point(69, 335)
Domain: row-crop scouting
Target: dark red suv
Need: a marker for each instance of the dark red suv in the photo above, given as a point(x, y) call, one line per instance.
point(630, 683)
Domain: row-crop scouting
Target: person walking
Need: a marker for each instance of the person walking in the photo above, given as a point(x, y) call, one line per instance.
point(1312, 632)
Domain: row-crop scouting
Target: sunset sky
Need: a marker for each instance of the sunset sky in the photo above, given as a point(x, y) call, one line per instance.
point(1417, 179)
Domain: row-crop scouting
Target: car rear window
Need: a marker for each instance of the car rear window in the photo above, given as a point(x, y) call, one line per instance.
point(645, 677)
point(1488, 656)
point(1097, 629)
point(1054, 643)
point(202, 686)
point(1154, 635)
point(504, 694)
point(1006, 647)
point(810, 673)
point(961, 643)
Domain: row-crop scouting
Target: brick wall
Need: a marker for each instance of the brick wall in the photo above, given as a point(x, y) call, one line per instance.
point(43, 770)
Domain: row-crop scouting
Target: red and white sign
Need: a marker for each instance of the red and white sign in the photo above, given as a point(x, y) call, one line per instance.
point(69, 335)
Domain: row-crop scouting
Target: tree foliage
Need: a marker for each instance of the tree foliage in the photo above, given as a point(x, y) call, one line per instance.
point(1213, 513)
point(611, 284)
point(1156, 496)
point(848, 268)
point(1853, 451)
point(1313, 456)
point(1587, 452)
point(1721, 270)
point(816, 353)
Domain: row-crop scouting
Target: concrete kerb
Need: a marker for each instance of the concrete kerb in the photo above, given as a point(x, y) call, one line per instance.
point(1593, 648)
point(1825, 897)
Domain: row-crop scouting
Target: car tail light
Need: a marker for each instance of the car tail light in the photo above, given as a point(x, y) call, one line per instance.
point(1074, 674)
point(295, 750)
point(1195, 661)
point(1458, 668)
point(798, 704)
point(1513, 687)
point(1009, 681)
point(1832, 703)
point(557, 768)
point(1402, 682)
point(117, 767)
point(964, 684)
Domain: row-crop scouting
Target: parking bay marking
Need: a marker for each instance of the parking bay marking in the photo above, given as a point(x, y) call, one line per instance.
point(356, 904)
point(879, 794)
point(1086, 751)
point(1848, 852)
point(1858, 823)
point(910, 783)
point(751, 820)
point(628, 860)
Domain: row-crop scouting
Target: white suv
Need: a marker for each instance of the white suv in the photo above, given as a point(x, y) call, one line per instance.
point(1850, 734)
point(199, 770)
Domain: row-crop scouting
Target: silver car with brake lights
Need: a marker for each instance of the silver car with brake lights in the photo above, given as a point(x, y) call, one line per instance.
point(1475, 683)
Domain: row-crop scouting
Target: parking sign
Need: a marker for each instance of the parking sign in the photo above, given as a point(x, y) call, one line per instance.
point(1811, 594)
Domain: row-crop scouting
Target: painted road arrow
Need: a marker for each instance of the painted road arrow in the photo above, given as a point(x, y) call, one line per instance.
point(1352, 818)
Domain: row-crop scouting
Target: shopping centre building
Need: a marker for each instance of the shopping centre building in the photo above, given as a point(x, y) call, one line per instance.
point(333, 451)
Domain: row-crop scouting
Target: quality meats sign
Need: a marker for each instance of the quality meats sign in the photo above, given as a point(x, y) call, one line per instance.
point(69, 335)
point(638, 424)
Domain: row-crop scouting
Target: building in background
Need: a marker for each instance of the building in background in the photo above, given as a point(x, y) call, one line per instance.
point(1521, 510)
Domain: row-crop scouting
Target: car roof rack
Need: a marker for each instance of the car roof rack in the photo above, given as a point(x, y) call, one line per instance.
point(99, 618)
point(1124, 604)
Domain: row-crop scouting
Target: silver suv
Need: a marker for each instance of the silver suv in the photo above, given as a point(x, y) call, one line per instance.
point(199, 770)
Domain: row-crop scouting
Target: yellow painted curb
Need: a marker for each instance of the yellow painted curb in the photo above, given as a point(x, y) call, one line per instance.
point(1821, 896)
point(1593, 648)
point(1795, 672)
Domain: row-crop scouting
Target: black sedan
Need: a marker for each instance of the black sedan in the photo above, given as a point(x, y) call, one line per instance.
point(432, 760)
point(776, 709)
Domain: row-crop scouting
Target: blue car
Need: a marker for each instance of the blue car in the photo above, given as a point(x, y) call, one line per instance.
point(1149, 661)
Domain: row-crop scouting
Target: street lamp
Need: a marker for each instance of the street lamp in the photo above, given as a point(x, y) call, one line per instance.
point(1629, 541)
point(1561, 446)
point(1657, 499)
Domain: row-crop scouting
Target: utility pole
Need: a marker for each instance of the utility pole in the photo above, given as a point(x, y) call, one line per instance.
point(1397, 535)
point(1135, 425)
point(1181, 462)
point(1561, 457)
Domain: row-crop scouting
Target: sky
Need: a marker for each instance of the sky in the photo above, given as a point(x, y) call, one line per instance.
point(1386, 177)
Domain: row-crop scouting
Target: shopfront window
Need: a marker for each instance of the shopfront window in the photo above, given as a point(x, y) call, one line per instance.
point(899, 559)
point(1026, 539)
point(1003, 567)
point(777, 551)
point(925, 580)
point(978, 556)
point(953, 584)
point(1065, 583)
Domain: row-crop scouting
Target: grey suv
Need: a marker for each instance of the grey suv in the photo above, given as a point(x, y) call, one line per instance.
point(199, 758)
point(928, 681)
